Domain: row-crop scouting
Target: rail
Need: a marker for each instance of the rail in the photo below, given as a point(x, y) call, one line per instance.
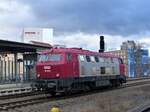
point(25, 100)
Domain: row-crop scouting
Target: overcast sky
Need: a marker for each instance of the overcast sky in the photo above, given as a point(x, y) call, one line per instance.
point(78, 23)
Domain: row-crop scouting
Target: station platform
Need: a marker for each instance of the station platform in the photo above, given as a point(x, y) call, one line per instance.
point(15, 88)
point(14, 85)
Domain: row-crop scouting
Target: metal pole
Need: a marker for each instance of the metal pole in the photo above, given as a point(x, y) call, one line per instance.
point(9, 70)
point(15, 60)
point(5, 69)
point(23, 70)
point(2, 69)
point(12, 69)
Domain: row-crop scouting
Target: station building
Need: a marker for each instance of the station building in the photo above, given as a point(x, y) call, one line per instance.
point(18, 59)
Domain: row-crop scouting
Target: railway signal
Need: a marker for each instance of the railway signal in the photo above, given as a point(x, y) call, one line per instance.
point(102, 44)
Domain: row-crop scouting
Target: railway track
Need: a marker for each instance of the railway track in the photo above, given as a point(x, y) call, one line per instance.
point(21, 101)
point(33, 93)
point(146, 109)
point(141, 108)
point(25, 102)
point(137, 78)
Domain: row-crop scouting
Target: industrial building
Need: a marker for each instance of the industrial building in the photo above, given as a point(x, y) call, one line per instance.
point(37, 34)
point(135, 58)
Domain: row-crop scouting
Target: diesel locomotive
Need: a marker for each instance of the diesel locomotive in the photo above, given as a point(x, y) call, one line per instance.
point(71, 69)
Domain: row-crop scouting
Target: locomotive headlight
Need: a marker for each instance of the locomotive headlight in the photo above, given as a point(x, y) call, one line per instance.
point(57, 75)
point(38, 75)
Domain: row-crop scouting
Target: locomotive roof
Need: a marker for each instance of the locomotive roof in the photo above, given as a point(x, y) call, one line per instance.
point(77, 51)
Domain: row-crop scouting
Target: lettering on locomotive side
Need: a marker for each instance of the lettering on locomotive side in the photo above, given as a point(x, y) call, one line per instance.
point(47, 68)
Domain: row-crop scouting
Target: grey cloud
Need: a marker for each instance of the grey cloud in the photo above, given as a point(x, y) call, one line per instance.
point(123, 17)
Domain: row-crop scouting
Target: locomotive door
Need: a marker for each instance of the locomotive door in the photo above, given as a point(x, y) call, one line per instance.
point(69, 65)
point(75, 65)
point(115, 67)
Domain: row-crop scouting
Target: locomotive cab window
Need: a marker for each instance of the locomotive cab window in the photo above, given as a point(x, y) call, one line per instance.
point(54, 57)
point(81, 57)
point(92, 58)
point(42, 57)
point(88, 58)
point(96, 59)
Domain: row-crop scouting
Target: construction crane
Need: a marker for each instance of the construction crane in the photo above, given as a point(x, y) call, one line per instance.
point(144, 45)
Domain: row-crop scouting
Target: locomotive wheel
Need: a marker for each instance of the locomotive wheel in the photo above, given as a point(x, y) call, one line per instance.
point(86, 88)
point(115, 83)
point(53, 93)
point(66, 93)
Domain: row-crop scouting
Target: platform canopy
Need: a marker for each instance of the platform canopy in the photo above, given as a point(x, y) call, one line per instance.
point(18, 47)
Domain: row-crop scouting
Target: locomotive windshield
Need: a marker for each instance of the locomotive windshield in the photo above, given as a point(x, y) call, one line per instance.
point(42, 58)
point(54, 57)
point(49, 57)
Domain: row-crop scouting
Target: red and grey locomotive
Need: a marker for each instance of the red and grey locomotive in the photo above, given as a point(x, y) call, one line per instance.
point(68, 69)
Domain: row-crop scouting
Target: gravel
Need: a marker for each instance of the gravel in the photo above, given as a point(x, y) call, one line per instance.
point(120, 100)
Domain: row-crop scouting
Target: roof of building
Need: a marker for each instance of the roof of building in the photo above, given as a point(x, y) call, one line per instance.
point(41, 43)
point(12, 46)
